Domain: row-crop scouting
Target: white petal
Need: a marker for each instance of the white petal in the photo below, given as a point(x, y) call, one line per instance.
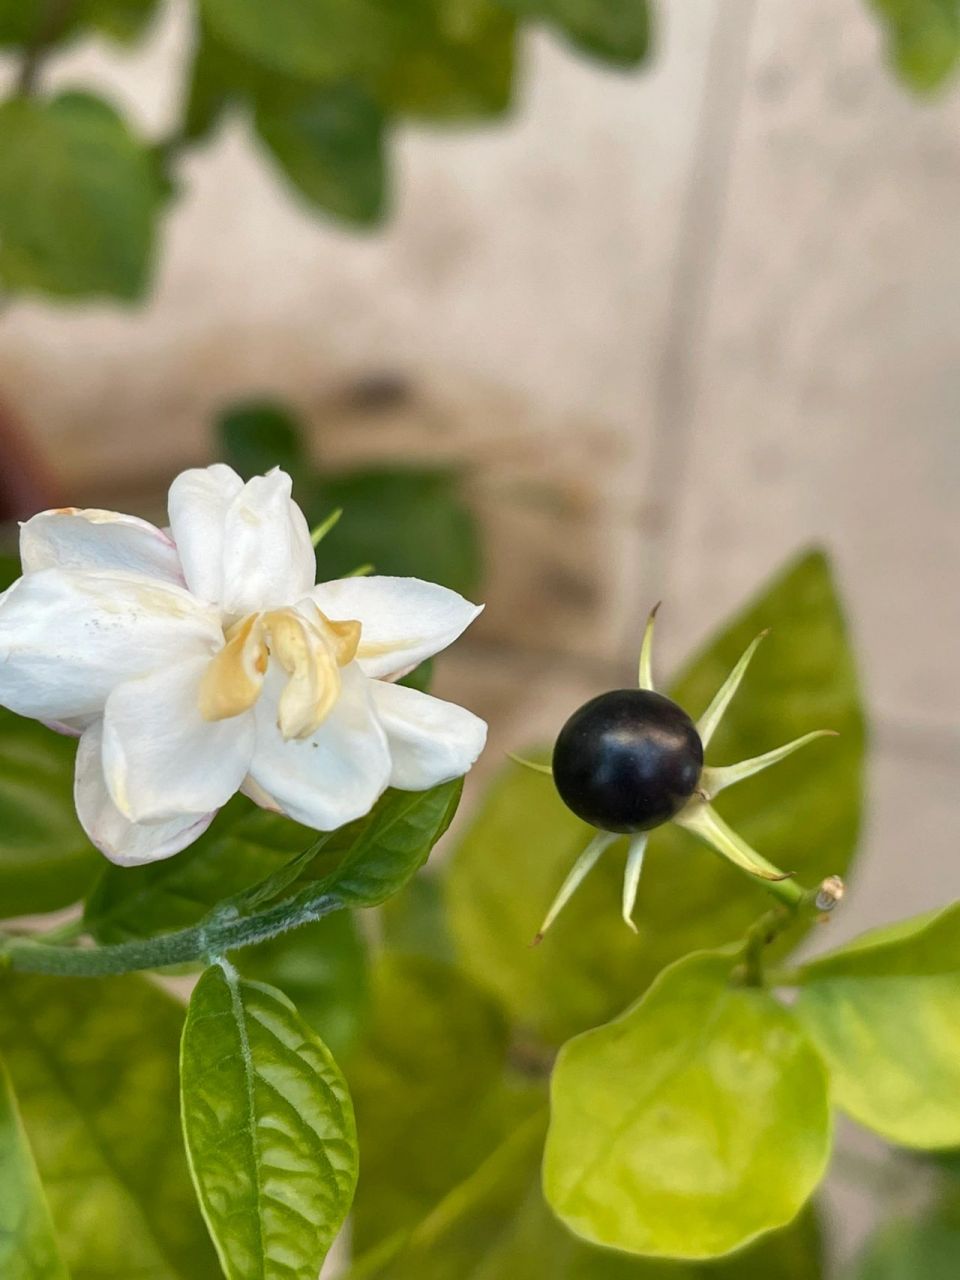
point(268, 558)
point(129, 844)
point(67, 638)
point(404, 620)
point(197, 503)
point(332, 777)
point(75, 539)
point(161, 758)
point(430, 741)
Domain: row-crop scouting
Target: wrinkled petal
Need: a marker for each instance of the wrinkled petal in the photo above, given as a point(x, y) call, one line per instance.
point(128, 844)
point(403, 620)
point(161, 758)
point(67, 638)
point(268, 558)
point(71, 538)
point(197, 504)
point(333, 776)
point(430, 741)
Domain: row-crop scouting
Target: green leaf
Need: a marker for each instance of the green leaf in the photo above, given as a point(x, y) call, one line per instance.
point(690, 1124)
point(257, 435)
point(450, 60)
point(94, 1065)
point(803, 815)
point(322, 969)
point(46, 862)
point(9, 571)
point(321, 42)
point(885, 1014)
point(123, 20)
point(924, 39)
point(923, 1248)
point(28, 1246)
point(414, 923)
point(406, 522)
point(26, 22)
point(79, 198)
point(269, 1129)
point(617, 31)
point(423, 1084)
point(242, 846)
point(330, 145)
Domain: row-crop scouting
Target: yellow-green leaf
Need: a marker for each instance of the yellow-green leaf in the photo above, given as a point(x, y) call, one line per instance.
point(692, 1123)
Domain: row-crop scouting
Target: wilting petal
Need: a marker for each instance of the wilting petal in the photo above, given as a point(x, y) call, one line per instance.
point(128, 844)
point(403, 620)
point(268, 558)
point(197, 503)
point(430, 741)
point(67, 638)
point(161, 758)
point(72, 538)
point(331, 777)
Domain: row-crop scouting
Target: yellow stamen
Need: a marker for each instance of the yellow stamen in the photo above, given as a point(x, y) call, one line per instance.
point(233, 679)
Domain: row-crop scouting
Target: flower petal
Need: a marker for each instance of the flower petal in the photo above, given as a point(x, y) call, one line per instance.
point(128, 844)
point(333, 776)
point(161, 758)
point(67, 638)
point(71, 538)
point(403, 620)
point(430, 741)
point(268, 558)
point(197, 504)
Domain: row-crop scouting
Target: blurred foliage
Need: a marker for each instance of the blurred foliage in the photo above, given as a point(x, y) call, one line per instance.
point(322, 83)
point(924, 39)
point(397, 520)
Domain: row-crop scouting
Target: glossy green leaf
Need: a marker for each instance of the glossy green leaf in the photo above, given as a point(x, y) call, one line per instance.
point(803, 815)
point(404, 521)
point(690, 1124)
point(323, 41)
point(924, 39)
point(94, 1065)
point(46, 862)
point(243, 845)
point(330, 146)
point(885, 1014)
point(617, 31)
point(424, 1083)
point(255, 436)
point(449, 59)
point(78, 199)
point(28, 1245)
point(269, 1129)
point(322, 969)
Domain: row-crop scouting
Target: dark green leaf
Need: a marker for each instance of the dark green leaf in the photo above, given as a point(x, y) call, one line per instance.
point(429, 1066)
point(803, 815)
point(258, 435)
point(420, 677)
point(405, 522)
point(322, 968)
point(243, 845)
point(9, 571)
point(924, 39)
point(122, 20)
point(46, 862)
point(330, 146)
point(884, 1013)
point(321, 42)
point(31, 23)
point(269, 1129)
point(94, 1065)
point(78, 199)
point(449, 59)
point(28, 1246)
point(690, 1124)
point(616, 30)
point(924, 1248)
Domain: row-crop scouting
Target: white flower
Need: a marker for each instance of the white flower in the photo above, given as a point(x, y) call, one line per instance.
point(203, 661)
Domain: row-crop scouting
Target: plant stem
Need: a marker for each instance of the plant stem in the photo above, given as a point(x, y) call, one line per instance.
point(215, 935)
point(53, 22)
point(768, 928)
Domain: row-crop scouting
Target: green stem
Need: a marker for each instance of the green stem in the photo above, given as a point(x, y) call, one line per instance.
point(215, 935)
point(769, 928)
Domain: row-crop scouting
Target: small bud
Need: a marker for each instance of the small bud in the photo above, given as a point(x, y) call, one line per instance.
point(830, 893)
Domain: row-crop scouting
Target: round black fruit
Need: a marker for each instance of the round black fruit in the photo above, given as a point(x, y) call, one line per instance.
point(627, 760)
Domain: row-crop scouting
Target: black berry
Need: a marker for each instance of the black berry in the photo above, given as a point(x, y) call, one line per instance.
point(627, 760)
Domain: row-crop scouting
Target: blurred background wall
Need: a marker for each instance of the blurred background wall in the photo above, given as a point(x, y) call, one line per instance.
point(677, 324)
